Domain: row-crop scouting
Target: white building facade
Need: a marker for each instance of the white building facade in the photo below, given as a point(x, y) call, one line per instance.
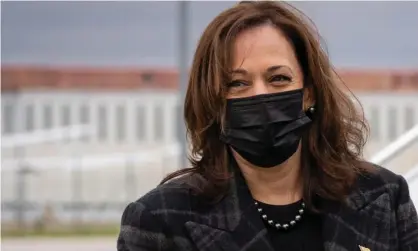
point(123, 159)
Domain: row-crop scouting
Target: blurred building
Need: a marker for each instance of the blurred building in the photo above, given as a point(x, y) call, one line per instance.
point(54, 169)
point(133, 113)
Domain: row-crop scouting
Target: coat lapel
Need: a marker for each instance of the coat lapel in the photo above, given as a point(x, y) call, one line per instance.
point(364, 223)
point(231, 225)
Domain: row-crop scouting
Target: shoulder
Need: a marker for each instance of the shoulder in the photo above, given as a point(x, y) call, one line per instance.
point(173, 198)
point(150, 220)
point(379, 182)
point(175, 194)
point(386, 192)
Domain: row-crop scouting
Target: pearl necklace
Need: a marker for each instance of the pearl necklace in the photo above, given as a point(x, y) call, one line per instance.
point(284, 226)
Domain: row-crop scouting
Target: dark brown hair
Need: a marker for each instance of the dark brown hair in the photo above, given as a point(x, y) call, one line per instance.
point(332, 147)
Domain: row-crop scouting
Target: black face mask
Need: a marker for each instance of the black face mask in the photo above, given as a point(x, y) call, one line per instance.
point(265, 129)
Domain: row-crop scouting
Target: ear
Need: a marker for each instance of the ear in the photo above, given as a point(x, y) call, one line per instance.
point(308, 97)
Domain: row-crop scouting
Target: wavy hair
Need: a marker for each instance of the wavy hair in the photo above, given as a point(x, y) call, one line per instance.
point(332, 146)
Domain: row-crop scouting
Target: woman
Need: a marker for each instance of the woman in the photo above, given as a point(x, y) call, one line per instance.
point(276, 152)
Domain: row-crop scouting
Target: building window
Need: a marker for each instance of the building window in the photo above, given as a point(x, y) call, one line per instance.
point(120, 123)
point(102, 123)
point(29, 118)
point(7, 118)
point(179, 115)
point(47, 117)
point(392, 124)
point(84, 118)
point(409, 118)
point(158, 123)
point(147, 77)
point(414, 80)
point(84, 114)
point(140, 123)
point(65, 115)
point(374, 123)
point(397, 81)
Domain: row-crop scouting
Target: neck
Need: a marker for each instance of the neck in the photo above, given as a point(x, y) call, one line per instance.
point(279, 185)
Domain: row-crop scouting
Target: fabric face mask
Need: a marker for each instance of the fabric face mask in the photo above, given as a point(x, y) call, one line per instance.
point(265, 129)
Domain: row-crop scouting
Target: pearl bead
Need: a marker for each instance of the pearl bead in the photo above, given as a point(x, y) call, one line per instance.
point(292, 223)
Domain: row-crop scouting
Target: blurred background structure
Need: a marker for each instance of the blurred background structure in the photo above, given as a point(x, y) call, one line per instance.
point(91, 98)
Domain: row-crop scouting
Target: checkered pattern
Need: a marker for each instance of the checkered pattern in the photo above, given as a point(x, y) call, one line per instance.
point(380, 216)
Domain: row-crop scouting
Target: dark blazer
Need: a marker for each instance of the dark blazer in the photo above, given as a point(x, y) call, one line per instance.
point(379, 215)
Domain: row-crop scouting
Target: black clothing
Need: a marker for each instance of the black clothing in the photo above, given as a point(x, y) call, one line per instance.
point(378, 215)
point(304, 236)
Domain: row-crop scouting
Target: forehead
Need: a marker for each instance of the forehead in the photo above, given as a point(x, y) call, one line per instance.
point(265, 45)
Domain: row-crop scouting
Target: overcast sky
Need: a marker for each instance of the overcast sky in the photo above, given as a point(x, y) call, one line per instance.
point(358, 34)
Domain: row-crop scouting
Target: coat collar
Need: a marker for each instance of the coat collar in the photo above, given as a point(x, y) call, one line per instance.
point(363, 221)
point(234, 224)
point(231, 224)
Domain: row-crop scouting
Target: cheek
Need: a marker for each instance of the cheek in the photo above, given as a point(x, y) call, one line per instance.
point(300, 83)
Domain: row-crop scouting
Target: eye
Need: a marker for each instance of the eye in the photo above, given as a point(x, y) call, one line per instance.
point(280, 78)
point(236, 84)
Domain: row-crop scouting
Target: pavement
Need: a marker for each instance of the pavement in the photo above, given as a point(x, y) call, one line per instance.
point(61, 244)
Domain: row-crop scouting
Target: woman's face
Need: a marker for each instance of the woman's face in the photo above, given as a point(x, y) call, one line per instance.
point(263, 62)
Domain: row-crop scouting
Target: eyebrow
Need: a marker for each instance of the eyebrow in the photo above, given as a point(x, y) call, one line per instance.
point(269, 70)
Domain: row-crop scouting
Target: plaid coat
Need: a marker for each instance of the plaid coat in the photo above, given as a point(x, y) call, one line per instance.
point(379, 216)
